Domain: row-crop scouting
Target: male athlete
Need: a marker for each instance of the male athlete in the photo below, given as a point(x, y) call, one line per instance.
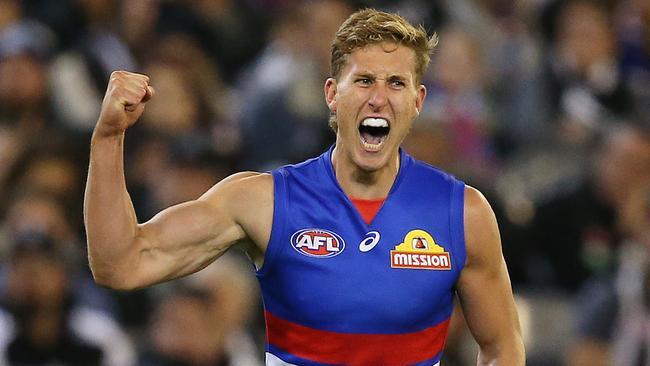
point(359, 252)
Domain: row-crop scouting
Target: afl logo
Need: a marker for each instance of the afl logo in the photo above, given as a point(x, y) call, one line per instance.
point(317, 243)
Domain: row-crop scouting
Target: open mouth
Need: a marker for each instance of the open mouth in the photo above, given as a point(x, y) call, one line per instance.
point(373, 133)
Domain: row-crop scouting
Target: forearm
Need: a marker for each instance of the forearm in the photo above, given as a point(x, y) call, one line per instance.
point(109, 217)
point(509, 353)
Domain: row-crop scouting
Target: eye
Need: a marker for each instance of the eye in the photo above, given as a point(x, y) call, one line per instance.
point(397, 83)
point(364, 81)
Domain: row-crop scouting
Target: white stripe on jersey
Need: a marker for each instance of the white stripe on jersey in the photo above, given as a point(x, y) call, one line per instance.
point(273, 360)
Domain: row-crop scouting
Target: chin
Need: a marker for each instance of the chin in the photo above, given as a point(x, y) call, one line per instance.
point(372, 161)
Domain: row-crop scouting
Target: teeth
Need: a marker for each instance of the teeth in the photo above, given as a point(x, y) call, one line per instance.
point(372, 147)
point(374, 122)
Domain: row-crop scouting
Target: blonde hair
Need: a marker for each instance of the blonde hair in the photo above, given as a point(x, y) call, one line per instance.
point(368, 27)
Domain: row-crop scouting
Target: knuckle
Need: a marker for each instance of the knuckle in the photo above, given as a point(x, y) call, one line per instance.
point(117, 74)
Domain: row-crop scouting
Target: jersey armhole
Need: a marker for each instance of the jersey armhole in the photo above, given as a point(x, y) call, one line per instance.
point(457, 223)
point(279, 221)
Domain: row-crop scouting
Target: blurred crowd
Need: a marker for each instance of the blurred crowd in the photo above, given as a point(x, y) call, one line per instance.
point(544, 105)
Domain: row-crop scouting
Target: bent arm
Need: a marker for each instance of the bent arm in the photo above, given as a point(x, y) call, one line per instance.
point(484, 288)
point(179, 240)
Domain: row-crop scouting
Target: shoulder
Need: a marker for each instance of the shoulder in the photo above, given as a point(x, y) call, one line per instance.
point(241, 187)
point(482, 238)
point(419, 167)
point(247, 179)
point(476, 205)
point(246, 199)
point(239, 194)
point(307, 169)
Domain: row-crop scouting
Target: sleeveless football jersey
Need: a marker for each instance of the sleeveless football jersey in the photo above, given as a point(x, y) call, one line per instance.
point(338, 291)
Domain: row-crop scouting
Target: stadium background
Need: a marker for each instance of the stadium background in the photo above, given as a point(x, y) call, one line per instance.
point(525, 99)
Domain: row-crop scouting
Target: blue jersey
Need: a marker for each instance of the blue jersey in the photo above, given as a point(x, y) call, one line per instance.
point(338, 291)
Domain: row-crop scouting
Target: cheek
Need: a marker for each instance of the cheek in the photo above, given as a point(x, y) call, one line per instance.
point(405, 107)
point(346, 100)
point(348, 106)
point(353, 95)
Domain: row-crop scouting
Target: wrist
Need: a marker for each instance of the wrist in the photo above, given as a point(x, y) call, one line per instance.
point(106, 140)
point(102, 131)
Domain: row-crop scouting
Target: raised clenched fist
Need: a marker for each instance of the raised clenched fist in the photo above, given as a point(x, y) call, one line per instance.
point(124, 102)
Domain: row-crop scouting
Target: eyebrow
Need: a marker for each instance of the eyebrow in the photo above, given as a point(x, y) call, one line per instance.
point(370, 75)
point(364, 74)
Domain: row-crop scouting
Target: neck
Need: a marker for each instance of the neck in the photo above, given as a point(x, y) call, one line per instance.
point(363, 184)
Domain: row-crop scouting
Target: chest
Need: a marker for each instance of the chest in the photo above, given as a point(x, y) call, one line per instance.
point(398, 270)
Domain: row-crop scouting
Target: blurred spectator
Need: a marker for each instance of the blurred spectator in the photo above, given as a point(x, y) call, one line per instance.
point(43, 323)
point(79, 75)
point(164, 171)
point(19, 33)
point(24, 99)
point(574, 235)
point(235, 296)
point(36, 213)
point(53, 167)
point(487, 118)
point(505, 39)
point(430, 14)
point(138, 22)
point(56, 175)
point(282, 101)
point(33, 211)
point(61, 16)
point(230, 31)
point(23, 91)
point(586, 85)
point(485, 87)
point(186, 330)
point(195, 107)
point(178, 111)
point(457, 109)
point(613, 313)
point(633, 25)
point(42, 190)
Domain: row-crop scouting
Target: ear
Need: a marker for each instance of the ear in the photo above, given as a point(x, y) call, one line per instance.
point(419, 101)
point(330, 94)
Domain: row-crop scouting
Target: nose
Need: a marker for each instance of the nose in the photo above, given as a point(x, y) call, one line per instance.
point(378, 97)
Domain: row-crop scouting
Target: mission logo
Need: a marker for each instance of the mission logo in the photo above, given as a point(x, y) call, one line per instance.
point(419, 251)
point(317, 243)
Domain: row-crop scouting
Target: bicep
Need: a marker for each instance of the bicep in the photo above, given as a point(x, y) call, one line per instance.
point(184, 239)
point(484, 285)
point(187, 237)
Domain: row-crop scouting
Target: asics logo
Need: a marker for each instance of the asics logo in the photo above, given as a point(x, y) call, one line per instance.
point(371, 240)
